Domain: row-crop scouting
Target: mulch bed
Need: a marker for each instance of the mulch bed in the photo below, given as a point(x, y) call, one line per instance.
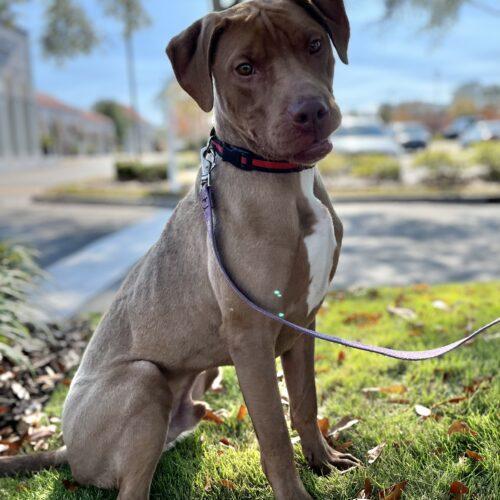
point(25, 390)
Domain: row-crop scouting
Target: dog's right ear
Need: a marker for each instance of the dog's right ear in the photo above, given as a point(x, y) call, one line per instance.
point(191, 54)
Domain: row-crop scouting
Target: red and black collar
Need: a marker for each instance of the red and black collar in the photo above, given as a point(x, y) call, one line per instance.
point(246, 160)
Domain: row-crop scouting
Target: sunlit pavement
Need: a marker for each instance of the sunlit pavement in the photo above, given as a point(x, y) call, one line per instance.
point(398, 244)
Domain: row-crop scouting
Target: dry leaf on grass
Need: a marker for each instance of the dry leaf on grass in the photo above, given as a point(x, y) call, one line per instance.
point(344, 446)
point(341, 357)
point(391, 389)
point(374, 453)
point(402, 312)
point(228, 484)
point(212, 417)
point(343, 424)
point(324, 425)
point(394, 492)
point(363, 319)
point(460, 427)
point(242, 413)
point(226, 442)
point(423, 411)
point(366, 492)
point(458, 488)
point(70, 485)
point(475, 456)
point(398, 401)
point(441, 305)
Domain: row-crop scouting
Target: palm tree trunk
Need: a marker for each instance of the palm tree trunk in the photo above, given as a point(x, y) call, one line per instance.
point(133, 95)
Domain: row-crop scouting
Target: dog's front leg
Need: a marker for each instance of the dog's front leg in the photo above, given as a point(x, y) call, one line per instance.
point(253, 354)
point(298, 367)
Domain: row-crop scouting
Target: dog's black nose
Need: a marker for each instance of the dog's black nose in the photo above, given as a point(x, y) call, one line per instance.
point(309, 114)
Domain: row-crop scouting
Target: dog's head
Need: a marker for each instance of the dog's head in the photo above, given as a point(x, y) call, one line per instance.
point(267, 68)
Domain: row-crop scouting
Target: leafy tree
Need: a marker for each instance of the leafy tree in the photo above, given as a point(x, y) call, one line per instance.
point(440, 12)
point(68, 31)
point(117, 114)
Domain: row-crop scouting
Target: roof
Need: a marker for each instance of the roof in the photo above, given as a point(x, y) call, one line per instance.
point(50, 102)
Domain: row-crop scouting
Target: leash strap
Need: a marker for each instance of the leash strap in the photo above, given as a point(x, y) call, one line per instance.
point(206, 198)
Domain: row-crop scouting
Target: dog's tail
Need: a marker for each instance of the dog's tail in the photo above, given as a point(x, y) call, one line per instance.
point(10, 466)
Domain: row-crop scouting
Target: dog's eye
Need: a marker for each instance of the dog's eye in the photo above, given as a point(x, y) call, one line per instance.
point(315, 46)
point(244, 69)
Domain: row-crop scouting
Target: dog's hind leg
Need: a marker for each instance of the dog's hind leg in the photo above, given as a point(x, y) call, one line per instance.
point(186, 413)
point(115, 426)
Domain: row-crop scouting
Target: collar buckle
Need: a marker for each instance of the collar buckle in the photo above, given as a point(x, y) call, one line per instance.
point(207, 157)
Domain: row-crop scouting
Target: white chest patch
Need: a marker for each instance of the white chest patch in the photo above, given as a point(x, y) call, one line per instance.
point(320, 244)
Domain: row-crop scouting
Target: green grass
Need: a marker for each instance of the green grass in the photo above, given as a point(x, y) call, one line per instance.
point(419, 451)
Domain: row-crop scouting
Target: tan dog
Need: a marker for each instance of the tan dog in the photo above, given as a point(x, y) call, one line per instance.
point(267, 68)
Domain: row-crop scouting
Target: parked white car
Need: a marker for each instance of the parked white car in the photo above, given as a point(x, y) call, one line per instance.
point(364, 135)
point(484, 130)
point(411, 135)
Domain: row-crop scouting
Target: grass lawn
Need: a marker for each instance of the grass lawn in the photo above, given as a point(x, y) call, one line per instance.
point(418, 450)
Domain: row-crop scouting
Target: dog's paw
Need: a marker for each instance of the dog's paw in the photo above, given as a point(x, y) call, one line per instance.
point(322, 459)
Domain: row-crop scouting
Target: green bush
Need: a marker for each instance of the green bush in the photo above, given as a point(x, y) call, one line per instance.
point(333, 164)
point(376, 167)
point(137, 171)
point(435, 160)
point(371, 166)
point(444, 169)
point(17, 272)
point(488, 154)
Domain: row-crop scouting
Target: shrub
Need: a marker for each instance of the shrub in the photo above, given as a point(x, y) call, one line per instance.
point(376, 167)
point(444, 169)
point(17, 272)
point(137, 171)
point(371, 166)
point(333, 164)
point(488, 154)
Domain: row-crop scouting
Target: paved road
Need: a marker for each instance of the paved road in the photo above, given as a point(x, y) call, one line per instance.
point(397, 244)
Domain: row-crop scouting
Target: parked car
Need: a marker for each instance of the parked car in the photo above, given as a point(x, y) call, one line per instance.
point(364, 135)
point(458, 126)
point(411, 135)
point(484, 130)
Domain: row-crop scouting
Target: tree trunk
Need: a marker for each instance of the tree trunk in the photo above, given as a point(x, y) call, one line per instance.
point(133, 95)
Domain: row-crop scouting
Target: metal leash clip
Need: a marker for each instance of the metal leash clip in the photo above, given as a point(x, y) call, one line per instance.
point(207, 157)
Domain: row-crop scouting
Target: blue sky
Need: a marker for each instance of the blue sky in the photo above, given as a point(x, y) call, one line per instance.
point(389, 62)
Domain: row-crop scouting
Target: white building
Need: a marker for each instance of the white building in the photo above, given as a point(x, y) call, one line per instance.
point(66, 130)
point(18, 125)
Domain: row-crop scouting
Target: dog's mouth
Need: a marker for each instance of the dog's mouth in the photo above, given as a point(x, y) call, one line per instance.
point(313, 153)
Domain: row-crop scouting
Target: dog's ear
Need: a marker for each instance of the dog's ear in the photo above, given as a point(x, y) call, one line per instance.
point(191, 54)
point(334, 16)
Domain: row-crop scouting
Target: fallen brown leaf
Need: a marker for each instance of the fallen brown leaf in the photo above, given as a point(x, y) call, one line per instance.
point(242, 413)
point(394, 492)
point(362, 319)
point(344, 446)
point(341, 357)
point(366, 492)
point(423, 411)
point(228, 484)
point(69, 485)
point(374, 453)
point(226, 442)
point(458, 488)
point(343, 424)
point(460, 427)
point(212, 417)
point(392, 389)
point(475, 456)
point(402, 312)
point(324, 425)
